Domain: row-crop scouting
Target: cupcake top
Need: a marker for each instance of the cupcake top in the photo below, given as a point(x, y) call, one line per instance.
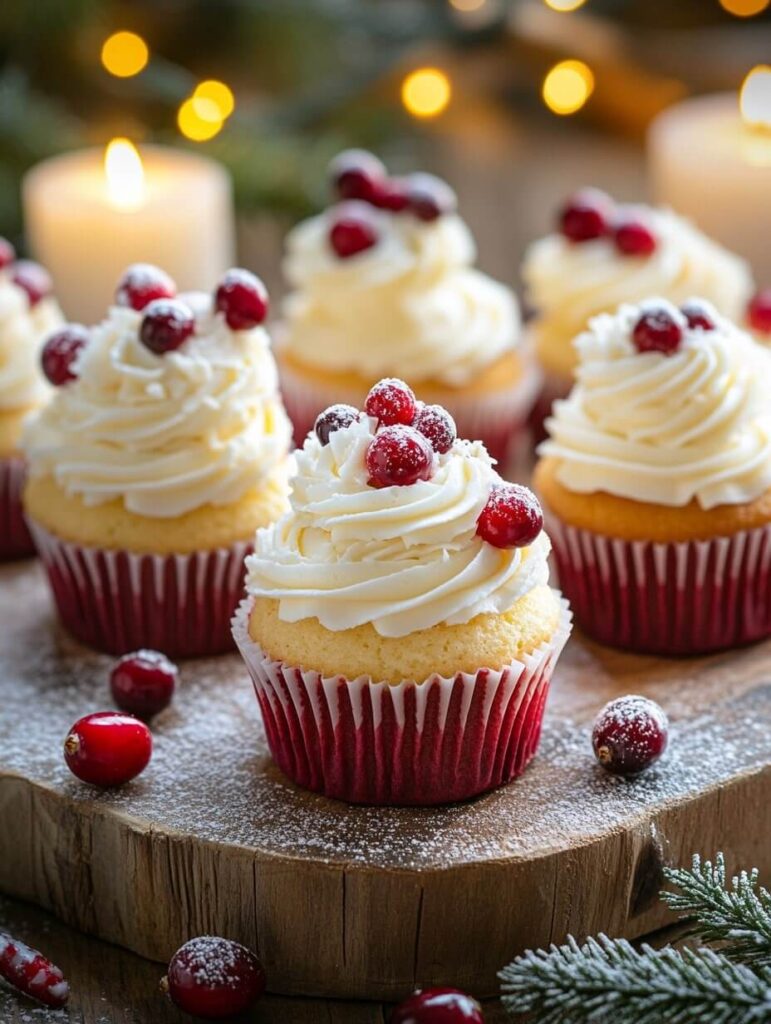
point(604, 255)
point(670, 406)
point(168, 405)
point(28, 312)
point(383, 281)
point(401, 526)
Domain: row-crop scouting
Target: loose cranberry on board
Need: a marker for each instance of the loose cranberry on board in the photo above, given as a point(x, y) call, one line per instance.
point(108, 748)
point(213, 978)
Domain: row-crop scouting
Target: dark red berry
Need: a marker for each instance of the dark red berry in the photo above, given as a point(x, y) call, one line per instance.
point(32, 974)
point(759, 312)
point(166, 325)
point(352, 230)
point(212, 978)
point(7, 253)
point(586, 215)
point(60, 351)
point(141, 284)
point(512, 517)
point(435, 423)
point(390, 194)
point(629, 735)
point(34, 279)
point(398, 456)
point(242, 298)
point(438, 1006)
point(429, 197)
point(657, 331)
point(143, 683)
point(356, 173)
point(108, 748)
point(336, 417)
point(391, 401)
point(634, 238)
point(698, 316)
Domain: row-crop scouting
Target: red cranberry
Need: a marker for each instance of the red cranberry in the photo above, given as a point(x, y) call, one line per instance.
point(429, 197)
point(398, 456)
point(634, 238)
point(7, 253)
point(213, 978)
point(759, 312)
point(356, 174)
point(166, 325)
point(141, 284)
point(243, 299)
point(60, 351)
point(657, 331)
point(629, 735)
point(698, 316)
point(391, 401)
point(586, 215)
point(34, 279)
point(143, 683)
point(390, 194)
point(435, 423)
point(108, 748)
point(336, 417)
point(438, 1006)
point(352, 230)
point(512, 517)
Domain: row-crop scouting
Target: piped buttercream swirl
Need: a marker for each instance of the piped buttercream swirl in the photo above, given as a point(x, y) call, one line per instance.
point(23, 330)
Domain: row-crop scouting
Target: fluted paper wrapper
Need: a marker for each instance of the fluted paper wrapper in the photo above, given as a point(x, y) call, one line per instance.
point(667, 599)
point(15, 539)
point(434, 742)
point(119, 601)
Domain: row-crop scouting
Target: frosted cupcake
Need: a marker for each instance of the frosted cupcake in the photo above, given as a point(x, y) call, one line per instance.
point(164, 447)
point(603, 255)
point(656, 480)
point(28, 312)
point(758, 316)
point(384, 285)
point(399, 627)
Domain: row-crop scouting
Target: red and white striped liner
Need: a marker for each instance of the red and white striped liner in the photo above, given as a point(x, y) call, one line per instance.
point(15, 539)
point(435, 742)
point(670, 599)
point(119, 601)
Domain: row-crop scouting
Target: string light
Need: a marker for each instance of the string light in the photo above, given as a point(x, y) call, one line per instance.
point(124, 54)
point(212, 91)
point(199, 119)
point(568, 86)
point(564, 5)
point(744, 8)
point(426, 92)
point(755, 98)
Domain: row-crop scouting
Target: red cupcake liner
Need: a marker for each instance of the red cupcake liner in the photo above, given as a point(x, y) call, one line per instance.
point(15, 539)
point(673, 599)
point(119, 601)
point(434, 742)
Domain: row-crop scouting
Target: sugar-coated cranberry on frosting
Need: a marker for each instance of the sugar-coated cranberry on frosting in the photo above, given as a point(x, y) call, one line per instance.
point(759, 311)
point(141, 283)
point(398, 456)
point(391, 401)
point(352, 229)
point(167, 324)
point(657, 330)
point(60, 352)
point(334, 418)
point(242, 298)
point(588, 214)
point(33, 279)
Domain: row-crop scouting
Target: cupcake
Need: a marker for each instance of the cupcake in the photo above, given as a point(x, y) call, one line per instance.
point(604, 255)
point(383, 284)
point(163, 448)
point(28, 312)
point(758, 316)
point(398, 626)
point(656, 481)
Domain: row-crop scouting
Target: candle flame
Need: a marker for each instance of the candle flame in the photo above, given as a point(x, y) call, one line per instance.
point(124, 174)
point(755, 99)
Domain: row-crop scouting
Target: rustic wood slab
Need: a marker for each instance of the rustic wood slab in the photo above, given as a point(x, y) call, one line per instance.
point(365, 902)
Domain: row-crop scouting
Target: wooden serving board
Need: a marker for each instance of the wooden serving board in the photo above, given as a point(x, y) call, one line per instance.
point(366, 902)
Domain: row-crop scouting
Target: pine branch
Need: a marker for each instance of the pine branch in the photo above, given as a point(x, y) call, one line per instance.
point(607, 979)
point(739, 915)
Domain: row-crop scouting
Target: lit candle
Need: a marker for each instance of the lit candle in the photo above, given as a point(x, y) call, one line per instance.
point(710, 159)
point(89, 214)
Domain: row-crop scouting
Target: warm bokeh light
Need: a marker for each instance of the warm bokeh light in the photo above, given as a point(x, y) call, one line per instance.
point(124, 54)
point(212, 91)
point(744, 8)
point(199, 119)
point(755, 98)
point(124, 175)
point(426, 92)
point(564, 5)
point(568, 86)
point(467, 5)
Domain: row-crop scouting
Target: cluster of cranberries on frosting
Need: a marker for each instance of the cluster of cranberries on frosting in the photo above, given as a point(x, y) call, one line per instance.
point(591, 214)
point(659, 329)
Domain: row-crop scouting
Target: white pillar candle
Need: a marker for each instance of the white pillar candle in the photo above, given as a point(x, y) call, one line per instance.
point(89, 214)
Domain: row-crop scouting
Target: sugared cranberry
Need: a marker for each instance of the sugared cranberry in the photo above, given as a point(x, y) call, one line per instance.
point(586, 215)
point(59, 353)
point(108, 748)
point(512, 517)
point(391, 401)
point(438, 1006)
point(166, 325)
point(629, 735)
point(7, 253)
point(34, 279)
point(398, 456)
point(657, 331)
point(759, 312)
point(633, 237)
point(352, 230)
point(429, 197)
point(141, 284)
point(435, 423)
point(143, 683)
point(356, 174)
point(242, 298)
point(336, 417)
point(212, 978)
point(698, 316)
point(390, 194)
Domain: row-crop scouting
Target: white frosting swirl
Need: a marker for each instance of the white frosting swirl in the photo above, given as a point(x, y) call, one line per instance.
point(666, 429)
point(402, 558)
point(413, 301)
point(23, 330)
point(165, 434)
